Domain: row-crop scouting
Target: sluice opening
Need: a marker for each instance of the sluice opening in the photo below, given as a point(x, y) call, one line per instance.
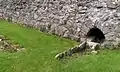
point(95, 35)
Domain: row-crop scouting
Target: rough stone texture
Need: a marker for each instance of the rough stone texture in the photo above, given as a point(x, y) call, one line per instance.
point(84, 47)
point(66, 18)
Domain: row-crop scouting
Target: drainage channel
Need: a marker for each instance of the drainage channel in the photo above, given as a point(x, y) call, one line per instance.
point(93, 40)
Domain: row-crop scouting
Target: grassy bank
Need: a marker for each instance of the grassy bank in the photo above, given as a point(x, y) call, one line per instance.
point(40, 49)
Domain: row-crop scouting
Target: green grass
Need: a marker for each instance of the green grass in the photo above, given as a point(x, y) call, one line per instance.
point(40, 49)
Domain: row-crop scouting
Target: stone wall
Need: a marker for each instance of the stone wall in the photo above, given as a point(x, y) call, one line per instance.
point(66, 18)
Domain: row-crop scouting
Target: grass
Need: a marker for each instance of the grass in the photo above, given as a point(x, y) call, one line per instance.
point(40, 49)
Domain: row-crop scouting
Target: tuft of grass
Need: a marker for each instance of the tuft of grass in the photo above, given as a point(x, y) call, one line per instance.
point(41, 49)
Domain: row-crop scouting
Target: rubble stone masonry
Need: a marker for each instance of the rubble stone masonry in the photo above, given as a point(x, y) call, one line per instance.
point(66, 18)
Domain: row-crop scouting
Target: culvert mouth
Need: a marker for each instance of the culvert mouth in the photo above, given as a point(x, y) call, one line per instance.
point(95, 35)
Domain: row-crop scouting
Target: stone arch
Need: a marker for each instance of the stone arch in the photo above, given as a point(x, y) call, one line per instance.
point(96, 35)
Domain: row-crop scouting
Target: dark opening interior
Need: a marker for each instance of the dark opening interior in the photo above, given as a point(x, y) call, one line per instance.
point(96, 34)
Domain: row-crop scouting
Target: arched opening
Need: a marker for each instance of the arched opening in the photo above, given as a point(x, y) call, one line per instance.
point(96, 35)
